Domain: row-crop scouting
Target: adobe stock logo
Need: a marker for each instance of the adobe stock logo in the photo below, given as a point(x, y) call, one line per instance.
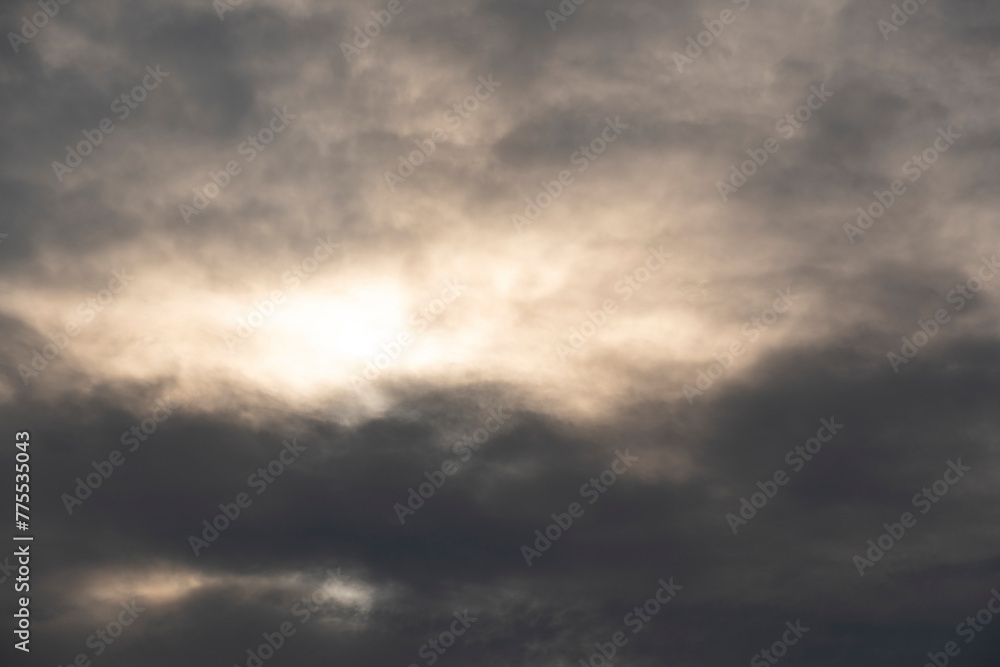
point(593, 490)
point(752, 329)
point(968, 629)
point(105, 468)
point(435, 648)
point(87, 310)
point(779, 649)
point(796, 458)
point(566, 9)
point(786, 126)
point(230, 512)
point(959, 297)
point(899, 17)
point(464, 448)
point(696, 45)
point(894, 532)
point(914, 169)
point(636, 620)
point(381, 18)
point(461, 111)
point(38, 21)
point(249, 148)
point(581, 159)
point(122, 106)
point(106, 636)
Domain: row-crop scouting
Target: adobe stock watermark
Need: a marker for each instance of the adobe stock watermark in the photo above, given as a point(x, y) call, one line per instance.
point(786, 126)
point(381, 18)
point(454, 117)
point(103, 469)
point(636, 620)
point(87, 310)
point(629, 284)
point(259, 480)
point(797, 458)
point(418, 323)
point(490, 424)
point(265, 308)
point(310, 604)
point(913, 168)
point(106, 636)
point(898, 18)
point(581, 158)
point(221, 7)
point(566, 9)
point(697, 44)
point(122, 106)
point(779, 649)
point(249, 148)
point(592, 490)
point(967, 629)
point(38, 21)
point(928, 329)
point(7, 570)
point(752, 329)
point(435, 648)
point(925, 499)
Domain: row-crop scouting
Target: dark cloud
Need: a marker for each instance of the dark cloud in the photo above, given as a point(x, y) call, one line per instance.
point(358, 357)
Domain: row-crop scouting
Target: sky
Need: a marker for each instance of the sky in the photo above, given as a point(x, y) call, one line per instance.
point(502, 333)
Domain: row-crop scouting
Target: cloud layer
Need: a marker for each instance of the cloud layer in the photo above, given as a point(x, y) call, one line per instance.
point(485, 252)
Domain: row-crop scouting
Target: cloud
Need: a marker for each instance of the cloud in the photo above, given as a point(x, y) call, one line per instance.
point(247, 263)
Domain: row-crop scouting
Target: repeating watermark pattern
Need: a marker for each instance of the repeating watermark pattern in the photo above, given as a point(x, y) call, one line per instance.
point(455, 116)
point(418, 323)
point(38, 21)
point(263, 309)
point(797, 458)
point(221, 7)
point(22, 617)
point(309, 605)
point(628, 285)
point(273, 641)
point(381, 18)
point(779, 648)
point(928, 329)
point(898, 18)
point(592, 491)
point(581, 333)
point(123, 106)
point(894, 532)
point(258, 480)
point(463, 449)
point(968, 629)
point(582, 158)
point(106, 636)
point(87, 310)
point(786, 126)
point(697, 44)
point(435, 648)
point(914, 169)
point(249, 149)
point(636, 621)
point(6, 570)
point(566, 9)
point(134, 437)
point(752, 329)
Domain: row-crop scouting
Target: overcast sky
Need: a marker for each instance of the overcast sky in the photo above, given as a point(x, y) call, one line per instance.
point(714, 283)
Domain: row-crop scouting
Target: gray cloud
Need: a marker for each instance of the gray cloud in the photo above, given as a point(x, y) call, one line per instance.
point(297, 374)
